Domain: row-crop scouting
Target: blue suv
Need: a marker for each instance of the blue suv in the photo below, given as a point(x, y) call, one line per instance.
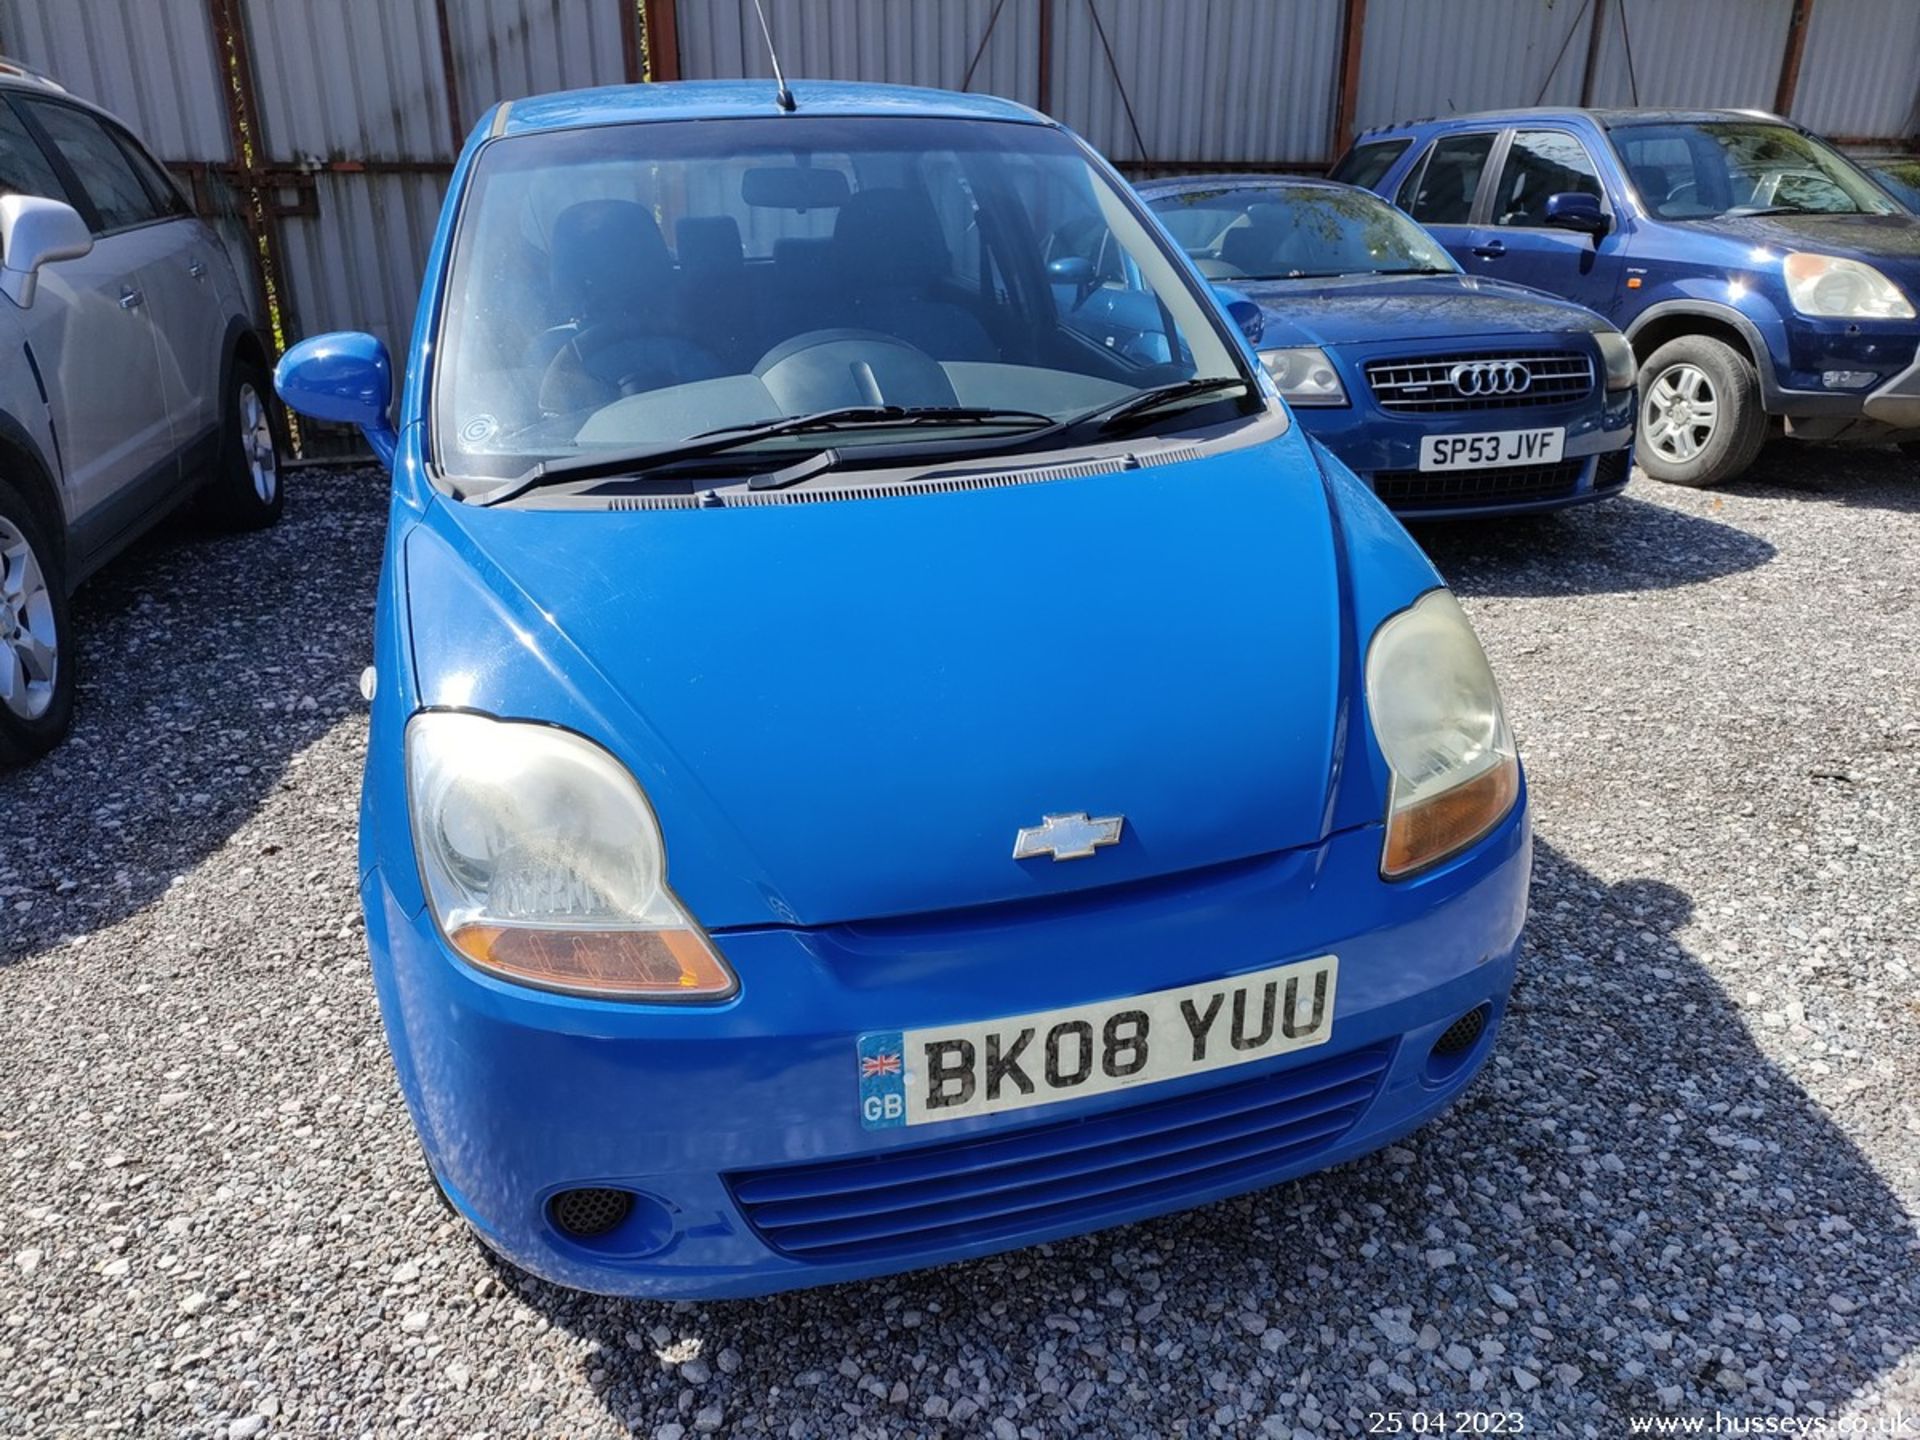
point(1758, 272)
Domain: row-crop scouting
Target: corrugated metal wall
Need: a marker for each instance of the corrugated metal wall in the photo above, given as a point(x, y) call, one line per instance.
point(504, 49)
point(901, 44)
point(1421, 58)
point(1861, 72)
point(1702, 53)
point(353, 255)
point(1212, 81)
point(358, 117)
point(150, 61)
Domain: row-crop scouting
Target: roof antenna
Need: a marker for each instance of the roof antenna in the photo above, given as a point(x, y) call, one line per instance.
point(783, 97)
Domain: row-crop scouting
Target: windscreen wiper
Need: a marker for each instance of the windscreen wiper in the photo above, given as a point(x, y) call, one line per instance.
point(604, 465)
point(1142, 402)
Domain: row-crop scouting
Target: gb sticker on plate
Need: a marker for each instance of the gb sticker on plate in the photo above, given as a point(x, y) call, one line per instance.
point(883, 1079)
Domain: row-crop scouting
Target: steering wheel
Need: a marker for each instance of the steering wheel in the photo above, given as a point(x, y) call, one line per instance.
point(603, 362)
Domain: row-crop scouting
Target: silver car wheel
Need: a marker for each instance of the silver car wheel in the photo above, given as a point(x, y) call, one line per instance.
point(256, 444)
point(29, 643)
point(1679, 414)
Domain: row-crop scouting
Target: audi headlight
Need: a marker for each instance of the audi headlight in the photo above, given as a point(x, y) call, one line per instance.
point(1617, 356)
point(1437, 717)
point(543, 863)
point(1304, 376)
point(1837, 288)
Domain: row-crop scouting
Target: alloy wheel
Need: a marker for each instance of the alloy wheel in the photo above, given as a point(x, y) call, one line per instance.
point(29, 642)
point(1680, 412)
point(256, 444)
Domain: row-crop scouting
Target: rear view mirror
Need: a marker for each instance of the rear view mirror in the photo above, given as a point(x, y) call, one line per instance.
point(1245, 313)
point(1574, 210)
point(344, 376)
point(36, 232)
point(793, 187)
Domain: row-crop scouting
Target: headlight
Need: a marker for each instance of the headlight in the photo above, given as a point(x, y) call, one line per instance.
point(1842, 289)
point(1617, 355)
point(1436, 714)
point(543, 863)
point(1305, 376)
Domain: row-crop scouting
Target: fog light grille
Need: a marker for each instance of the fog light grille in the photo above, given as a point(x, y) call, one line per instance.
point(1460, 1035)
point(588, 1213)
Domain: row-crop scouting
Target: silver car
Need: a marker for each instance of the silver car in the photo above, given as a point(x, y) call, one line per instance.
point(131, 380)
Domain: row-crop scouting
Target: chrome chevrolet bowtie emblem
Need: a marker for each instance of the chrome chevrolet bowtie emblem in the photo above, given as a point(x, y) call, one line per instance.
point(1067, 837)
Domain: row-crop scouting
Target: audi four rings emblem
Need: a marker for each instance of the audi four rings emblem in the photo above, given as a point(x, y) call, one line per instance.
point(1491, 377)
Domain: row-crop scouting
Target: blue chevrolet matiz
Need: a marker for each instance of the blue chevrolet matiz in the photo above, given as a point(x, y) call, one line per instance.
point(865, 772)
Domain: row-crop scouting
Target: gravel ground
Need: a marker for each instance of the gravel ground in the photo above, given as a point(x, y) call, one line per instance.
point(1685, 1184)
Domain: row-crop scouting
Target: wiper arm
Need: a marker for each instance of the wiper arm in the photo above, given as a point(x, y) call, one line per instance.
point(1128, 407)
point(613, 463)
point(882, 414)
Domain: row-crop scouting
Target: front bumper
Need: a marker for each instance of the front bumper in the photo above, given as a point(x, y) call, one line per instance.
point(707, 1113)
point(1886, 409)
point(1383, 448)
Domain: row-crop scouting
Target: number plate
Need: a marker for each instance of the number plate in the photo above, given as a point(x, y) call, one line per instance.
point(950, 1072)
point(1491, 449)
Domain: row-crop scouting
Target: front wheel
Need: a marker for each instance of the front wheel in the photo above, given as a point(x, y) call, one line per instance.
point(1701, 420)
point(244, 492)
point(36, 659)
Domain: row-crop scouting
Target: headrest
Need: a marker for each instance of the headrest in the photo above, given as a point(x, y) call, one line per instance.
point(607, 255)
point(890, 237)
point(708, 244)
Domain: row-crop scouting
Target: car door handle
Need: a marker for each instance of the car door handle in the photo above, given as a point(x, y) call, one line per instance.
point(197, 268)
point(132, 299)
point(1492, 250)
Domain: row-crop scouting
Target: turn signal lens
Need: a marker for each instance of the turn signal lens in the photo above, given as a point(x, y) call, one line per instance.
point(1429, 829)
point(661, 964)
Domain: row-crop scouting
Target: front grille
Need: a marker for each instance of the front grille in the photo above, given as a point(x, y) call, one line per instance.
point(1426, 386)
point(988, 1187)
point(1411, 490)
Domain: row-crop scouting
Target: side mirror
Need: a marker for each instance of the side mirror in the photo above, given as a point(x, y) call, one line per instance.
point(1244, 313)
point(1070, 270)
point(1574, 210)
point(345, 376)
point(36, 232)
point(1074, 270)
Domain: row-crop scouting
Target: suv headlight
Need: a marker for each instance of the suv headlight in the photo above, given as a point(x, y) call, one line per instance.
point(1304, 376)
point(1436, 715)
point(1827, 285)
point(1617, 356)
point(543, 863)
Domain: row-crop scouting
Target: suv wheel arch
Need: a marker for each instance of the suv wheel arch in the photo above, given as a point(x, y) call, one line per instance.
point(23, 466)
point(1670, 319)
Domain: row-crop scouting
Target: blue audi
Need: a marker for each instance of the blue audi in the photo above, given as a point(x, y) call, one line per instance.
point(864, 770)
point(1448, 394)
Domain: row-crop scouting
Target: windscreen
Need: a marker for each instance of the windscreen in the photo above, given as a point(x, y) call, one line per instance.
point(633, 285)
point(1297, 232)
point(1707, 169)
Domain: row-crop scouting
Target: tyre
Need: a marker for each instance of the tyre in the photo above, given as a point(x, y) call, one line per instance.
point(36, 635)
point(1701, 420)
point(244, 491)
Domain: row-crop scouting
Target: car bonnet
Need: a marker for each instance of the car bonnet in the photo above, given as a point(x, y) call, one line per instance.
point(847, 709)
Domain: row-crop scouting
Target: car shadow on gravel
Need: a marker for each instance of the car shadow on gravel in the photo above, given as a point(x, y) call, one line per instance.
point(208, 662)
point(1633, 1210)
point(1878, 478)
point(1605, 548)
